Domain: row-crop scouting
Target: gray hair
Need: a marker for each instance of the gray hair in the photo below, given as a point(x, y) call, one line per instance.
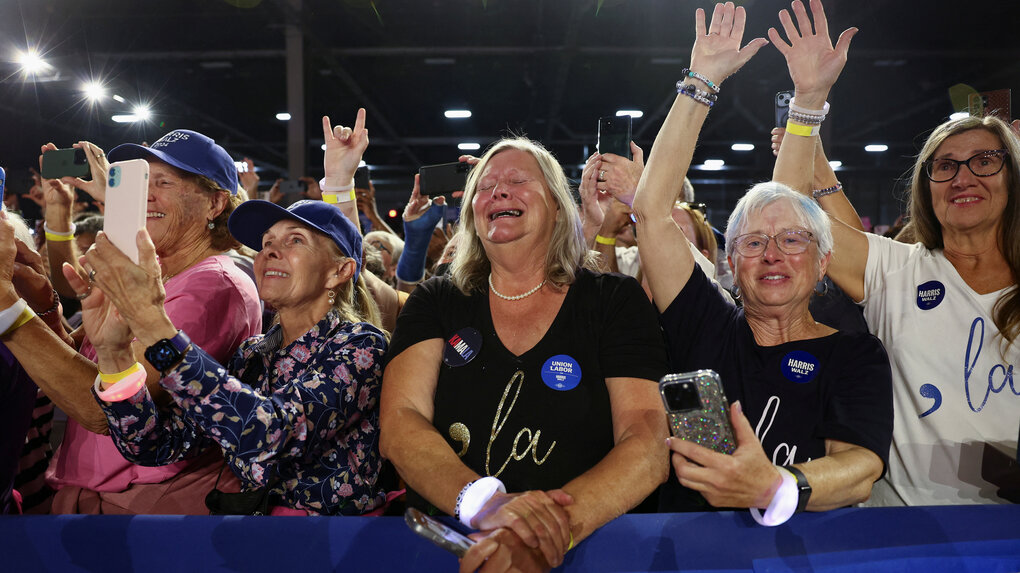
point(395, 243)
point(809, 214)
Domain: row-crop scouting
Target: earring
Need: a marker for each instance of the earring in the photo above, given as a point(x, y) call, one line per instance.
point(211, 225)
point(332, 297)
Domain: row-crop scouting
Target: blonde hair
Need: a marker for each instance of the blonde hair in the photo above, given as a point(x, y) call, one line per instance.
point(567, 250)
point(702, 231)
point(928, 231)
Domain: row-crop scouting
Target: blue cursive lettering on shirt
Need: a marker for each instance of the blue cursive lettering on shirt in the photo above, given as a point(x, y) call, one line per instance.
point(968, 367)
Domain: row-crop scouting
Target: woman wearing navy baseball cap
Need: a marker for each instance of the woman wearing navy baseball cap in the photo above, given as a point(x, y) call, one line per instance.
point(295, 411)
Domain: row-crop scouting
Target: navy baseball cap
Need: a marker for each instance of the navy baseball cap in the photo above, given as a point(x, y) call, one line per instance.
point(187, 150)
point(251, 219)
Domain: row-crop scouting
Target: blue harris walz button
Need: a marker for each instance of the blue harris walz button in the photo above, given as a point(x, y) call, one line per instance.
point(799, 366)
point(930, 294)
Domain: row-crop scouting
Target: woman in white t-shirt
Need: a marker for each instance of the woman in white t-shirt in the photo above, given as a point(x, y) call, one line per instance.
point(946, 308)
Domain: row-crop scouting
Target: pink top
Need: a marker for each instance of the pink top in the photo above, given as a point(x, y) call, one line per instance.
point(217, 305)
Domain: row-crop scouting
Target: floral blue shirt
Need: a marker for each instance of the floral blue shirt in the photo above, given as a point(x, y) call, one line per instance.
point(307, 414)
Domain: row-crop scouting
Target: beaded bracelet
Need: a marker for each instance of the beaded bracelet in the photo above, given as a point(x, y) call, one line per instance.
point(693, 74)
point(694, 93)
point(56, 304)
point(827, 191)
point(806, 119)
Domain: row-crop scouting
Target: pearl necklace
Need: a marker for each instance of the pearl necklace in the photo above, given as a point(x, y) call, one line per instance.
point(518, 297)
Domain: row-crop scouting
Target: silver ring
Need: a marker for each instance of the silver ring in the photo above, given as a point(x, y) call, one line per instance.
point(602, 175)
point(84, 295)
point(92, 276)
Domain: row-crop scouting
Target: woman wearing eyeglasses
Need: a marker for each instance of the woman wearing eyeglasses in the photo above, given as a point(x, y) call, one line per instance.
point(811, 406)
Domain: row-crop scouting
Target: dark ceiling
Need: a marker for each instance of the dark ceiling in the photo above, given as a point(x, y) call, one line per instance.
point(545, 68)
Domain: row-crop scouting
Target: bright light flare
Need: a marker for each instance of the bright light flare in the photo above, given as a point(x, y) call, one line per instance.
point(283, 116)
point(876, 148)
point(635, 113)
point(31, 62)
point(457, 113)
point(94, 91)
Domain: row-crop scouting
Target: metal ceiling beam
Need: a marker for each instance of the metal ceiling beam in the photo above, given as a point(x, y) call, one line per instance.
point(566, 57)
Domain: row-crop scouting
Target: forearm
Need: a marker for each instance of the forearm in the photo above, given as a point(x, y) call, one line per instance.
point(841, 478)
point(58, 218)
point(836, 204)
point(608, 255)
point(670, 159)
point(424, 459)
point(148, 436)
point(64, 375)
point(624, 478)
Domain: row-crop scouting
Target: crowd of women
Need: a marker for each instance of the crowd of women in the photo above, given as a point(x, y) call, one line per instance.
point(518, 391)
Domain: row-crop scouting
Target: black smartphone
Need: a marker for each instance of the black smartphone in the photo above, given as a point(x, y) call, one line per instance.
point(697, 409)
point(59, 163)
point(437, 532)
point(443, 179)
point(783, 107)
point(361, 177)
point(614, 135)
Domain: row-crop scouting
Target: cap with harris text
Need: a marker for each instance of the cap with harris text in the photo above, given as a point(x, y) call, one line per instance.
point(187, 150)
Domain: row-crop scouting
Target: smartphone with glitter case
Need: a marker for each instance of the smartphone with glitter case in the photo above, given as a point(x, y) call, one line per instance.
point(697, 409)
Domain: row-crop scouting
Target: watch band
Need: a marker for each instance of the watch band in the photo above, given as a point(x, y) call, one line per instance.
point(803, 488)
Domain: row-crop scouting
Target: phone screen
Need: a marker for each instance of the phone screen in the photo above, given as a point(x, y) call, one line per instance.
point(361, 177)
point(615, 135)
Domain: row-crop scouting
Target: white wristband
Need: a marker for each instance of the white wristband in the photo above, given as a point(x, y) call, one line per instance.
point(9, 315)
point(806, 111)
point(475, 495)
point(47, 229)
point(328, 189)
point(783, 504)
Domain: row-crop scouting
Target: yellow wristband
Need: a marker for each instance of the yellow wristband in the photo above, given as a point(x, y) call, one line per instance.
point(58, 238)
point(334, 198)
point(571, 546)
point(605, 240)
point(26, 315)
point(801, 130)
point(109, 379)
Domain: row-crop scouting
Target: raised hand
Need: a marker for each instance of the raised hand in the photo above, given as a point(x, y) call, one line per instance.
point(418, 205)
point(249, 179)
point(717, 53)
point(814, 62)
point(99, 166)
point(344, 148)
point(53, 191)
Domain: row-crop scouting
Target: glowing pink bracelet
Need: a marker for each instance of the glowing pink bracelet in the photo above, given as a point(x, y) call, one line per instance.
point(783, 504)
point(124, 388)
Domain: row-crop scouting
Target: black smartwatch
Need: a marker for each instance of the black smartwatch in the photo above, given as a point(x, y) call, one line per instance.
point(803, 488)
point(166, 353)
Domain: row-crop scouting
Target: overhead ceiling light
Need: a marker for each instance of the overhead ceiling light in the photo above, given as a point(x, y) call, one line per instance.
point(118, 98)
point(635, 113)
point(959, 115)
point(835, 164)
point(125, 118)
point(283, 116)
point(469, 146)
point(713, 164)
point(457, 113)
point(142, 112)
point(876, 148)
point(742, 147)
point(94, 90)
point(31, 62)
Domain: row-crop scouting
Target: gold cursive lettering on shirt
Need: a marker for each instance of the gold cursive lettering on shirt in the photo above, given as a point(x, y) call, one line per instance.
point(460, 433)
point(497, 426)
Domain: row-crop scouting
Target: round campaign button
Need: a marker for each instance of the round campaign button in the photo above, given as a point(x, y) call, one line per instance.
point(930, 294)
point(462, 347)
point(799, 366)
point(561, 372)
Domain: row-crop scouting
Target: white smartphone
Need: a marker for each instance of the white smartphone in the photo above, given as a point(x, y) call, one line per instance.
point(127, 193)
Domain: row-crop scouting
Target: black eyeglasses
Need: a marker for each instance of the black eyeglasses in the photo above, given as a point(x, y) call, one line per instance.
point(790, 242)
point(984, 164)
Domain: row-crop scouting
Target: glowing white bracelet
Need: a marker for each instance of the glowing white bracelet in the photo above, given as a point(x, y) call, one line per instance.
point(794, 107)
point(332, 189)
point(475, 495)
point(783, 504)
point(124, 388)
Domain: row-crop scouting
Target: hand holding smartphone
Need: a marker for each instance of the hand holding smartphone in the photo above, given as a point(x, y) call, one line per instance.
point(697, 409)
point(443, 179)
point(127, 194)
point(783, 107)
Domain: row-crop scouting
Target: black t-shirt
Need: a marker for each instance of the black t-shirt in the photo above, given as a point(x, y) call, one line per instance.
point(795, 395)
point(540, 419)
